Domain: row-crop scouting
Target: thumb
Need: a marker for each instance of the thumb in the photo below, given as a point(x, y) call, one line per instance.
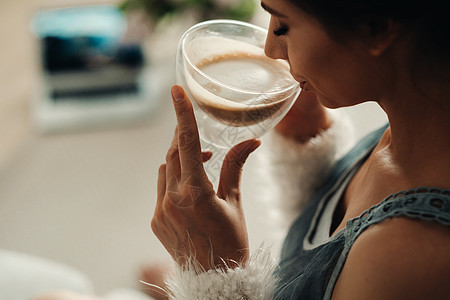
point(230, 175)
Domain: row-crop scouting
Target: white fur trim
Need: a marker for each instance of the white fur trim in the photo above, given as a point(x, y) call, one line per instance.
point(254, 281)
point(292, 170)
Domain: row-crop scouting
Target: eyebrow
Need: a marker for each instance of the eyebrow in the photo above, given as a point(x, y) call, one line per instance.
point(272, 11)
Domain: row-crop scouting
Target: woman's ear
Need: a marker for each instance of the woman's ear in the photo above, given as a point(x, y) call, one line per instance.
point(380, 35)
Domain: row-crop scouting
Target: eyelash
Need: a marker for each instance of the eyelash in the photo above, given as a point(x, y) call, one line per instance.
point(282, 30)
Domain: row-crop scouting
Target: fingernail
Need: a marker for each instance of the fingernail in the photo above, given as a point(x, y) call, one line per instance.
point(206, 155)
point(177, 94)
point(255, 144)
point(252, 145)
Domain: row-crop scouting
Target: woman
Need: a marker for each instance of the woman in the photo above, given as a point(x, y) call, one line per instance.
point(360, 236)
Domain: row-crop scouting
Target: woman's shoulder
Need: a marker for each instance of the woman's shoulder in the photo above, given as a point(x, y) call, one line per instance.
point(399, 258)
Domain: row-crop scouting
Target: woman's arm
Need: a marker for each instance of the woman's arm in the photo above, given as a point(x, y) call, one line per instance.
point(306, 119)
point(401, 258)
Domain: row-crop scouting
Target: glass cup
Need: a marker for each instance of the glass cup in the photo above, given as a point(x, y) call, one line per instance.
point(237, 92)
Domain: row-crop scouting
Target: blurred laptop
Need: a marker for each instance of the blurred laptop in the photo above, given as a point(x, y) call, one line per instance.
point(89, 74)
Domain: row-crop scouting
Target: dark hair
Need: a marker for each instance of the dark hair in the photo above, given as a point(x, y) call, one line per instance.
point(427, 21)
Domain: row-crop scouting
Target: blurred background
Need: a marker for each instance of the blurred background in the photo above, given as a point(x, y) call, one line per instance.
point(81, 142)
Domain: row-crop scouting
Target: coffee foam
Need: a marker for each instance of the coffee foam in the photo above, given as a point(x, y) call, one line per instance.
point(235, 65)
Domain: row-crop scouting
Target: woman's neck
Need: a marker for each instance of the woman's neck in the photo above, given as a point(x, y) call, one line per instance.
point(412, 153)
point(418, 141)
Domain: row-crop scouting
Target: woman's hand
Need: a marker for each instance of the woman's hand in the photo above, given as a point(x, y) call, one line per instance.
point(191, 220)
point(305, 120)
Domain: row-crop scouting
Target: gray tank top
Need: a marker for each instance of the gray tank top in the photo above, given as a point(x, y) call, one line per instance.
point(310, 262)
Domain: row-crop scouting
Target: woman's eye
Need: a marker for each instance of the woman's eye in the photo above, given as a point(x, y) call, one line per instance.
point(282, 30)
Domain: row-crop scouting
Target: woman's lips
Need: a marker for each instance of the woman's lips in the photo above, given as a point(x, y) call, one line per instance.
point(305, 86)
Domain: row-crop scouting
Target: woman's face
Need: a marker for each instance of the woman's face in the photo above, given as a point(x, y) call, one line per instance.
point(340, 73)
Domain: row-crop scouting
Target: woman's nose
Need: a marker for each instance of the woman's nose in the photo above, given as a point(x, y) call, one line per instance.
point(275, 47)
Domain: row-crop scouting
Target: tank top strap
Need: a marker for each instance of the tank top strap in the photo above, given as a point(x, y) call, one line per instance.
point(432, 204)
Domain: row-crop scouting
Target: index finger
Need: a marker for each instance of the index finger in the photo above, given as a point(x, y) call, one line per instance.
point(188, 138)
